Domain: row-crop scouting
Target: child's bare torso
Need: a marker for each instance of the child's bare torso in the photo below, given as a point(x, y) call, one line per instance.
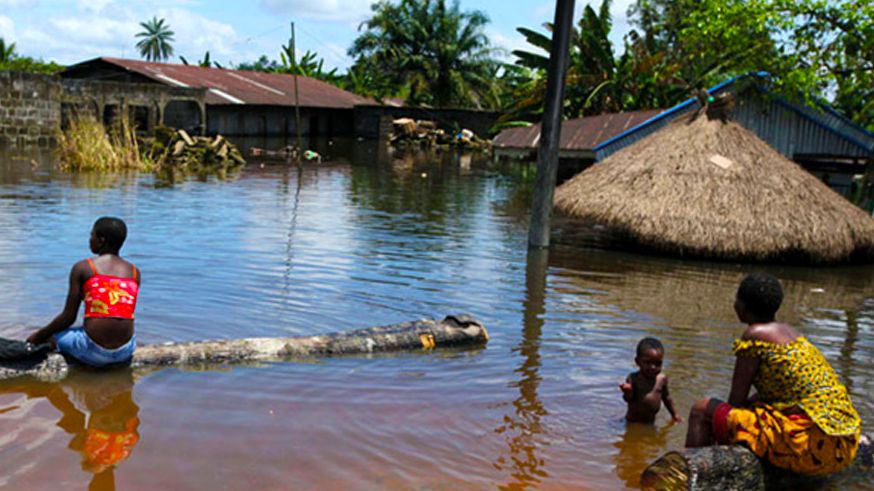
point(646, 397)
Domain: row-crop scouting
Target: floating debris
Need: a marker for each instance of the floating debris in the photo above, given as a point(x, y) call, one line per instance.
point(408, 132)
point(287, 153)
point(176, 150)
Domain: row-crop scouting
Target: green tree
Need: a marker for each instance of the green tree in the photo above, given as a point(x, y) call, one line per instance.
point(430, 51)
point(810, 47)
point(309, 65)
point(156, 38)
point(262, 64)
point(597, 80)
point(11, 60)
point(205, 62)
point(7, 51)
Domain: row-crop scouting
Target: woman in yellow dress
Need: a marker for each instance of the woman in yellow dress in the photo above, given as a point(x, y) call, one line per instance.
point(801, 417)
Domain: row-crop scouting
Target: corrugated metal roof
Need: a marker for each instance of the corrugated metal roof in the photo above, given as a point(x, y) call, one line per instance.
point(816, 127)
point(225, 86)
point(576, 134)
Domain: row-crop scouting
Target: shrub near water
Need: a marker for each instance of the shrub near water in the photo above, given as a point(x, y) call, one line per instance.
point(86, 145)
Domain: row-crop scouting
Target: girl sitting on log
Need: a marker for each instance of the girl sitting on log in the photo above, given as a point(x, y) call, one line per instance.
point(801, 418)
point(109, 286)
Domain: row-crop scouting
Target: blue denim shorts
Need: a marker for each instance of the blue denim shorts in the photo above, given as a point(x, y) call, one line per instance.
point(76, 343)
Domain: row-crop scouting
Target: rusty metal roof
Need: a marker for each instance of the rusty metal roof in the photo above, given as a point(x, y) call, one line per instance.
point(225, 86)
point(576, 134)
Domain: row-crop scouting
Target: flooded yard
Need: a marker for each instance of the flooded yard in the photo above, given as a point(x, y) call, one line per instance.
point(363, 240)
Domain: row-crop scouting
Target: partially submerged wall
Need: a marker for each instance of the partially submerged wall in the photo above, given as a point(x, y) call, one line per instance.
point(145, 104)
point(254, 120)
point(30, 109)
point(33, 107)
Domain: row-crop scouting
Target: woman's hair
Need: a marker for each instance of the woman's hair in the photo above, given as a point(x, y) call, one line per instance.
point(112, 230)
point(761, 294)
point(648, 344)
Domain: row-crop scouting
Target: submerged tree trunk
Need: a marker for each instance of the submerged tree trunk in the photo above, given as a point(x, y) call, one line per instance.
point(461, 330)
point(734, 467)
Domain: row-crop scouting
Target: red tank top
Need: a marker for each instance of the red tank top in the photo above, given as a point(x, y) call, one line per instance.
point(110, 296)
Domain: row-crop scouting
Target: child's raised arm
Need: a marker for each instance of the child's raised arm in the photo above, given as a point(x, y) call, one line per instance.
point(627, 390)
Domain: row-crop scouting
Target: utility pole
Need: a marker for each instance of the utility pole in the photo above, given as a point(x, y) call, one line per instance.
point(550, 127)
point(296, 99)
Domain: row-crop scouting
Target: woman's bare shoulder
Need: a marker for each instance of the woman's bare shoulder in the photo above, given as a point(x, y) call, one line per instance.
point(772, 332)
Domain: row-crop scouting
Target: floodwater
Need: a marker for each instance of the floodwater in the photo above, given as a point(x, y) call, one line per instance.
point(371, 239)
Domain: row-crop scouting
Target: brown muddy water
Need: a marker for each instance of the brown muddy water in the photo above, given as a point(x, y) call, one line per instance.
point(363, 240)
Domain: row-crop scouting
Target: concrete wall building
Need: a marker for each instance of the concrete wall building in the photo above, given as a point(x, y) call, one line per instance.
point(33, 107)
point(237, 102)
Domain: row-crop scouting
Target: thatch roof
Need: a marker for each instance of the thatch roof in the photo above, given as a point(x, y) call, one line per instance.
point(710, 188)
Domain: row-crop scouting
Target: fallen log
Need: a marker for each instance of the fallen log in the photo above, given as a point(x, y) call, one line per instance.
point(734, 467)
point(460, 330)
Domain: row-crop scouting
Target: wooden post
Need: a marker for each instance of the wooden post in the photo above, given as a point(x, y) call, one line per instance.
point(296, 99)
point(550, 127)
point(866, 193)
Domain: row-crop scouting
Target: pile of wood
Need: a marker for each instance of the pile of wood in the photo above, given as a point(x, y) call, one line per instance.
point(408, 133)
point(176, 150)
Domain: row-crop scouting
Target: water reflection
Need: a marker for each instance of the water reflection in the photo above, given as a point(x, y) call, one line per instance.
point(639, 446)
point(523, 428)
point(678, 293)
point(363, 239)
point(98, 412)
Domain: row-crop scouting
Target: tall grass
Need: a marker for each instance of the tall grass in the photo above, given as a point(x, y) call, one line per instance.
point(87, 145)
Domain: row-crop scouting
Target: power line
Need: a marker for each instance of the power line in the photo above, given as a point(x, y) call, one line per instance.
point(323, 44)
point(256, 36)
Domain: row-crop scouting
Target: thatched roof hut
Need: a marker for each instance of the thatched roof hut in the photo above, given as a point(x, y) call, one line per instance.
point(706, 187)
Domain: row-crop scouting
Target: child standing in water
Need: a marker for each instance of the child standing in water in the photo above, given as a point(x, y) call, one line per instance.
point(645, 389)
point(108, 286)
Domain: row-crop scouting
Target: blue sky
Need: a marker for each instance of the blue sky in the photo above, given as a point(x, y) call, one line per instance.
point(233, 31)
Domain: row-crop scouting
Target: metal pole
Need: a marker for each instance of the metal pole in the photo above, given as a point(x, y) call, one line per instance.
point(296, 100)
point(550, 128)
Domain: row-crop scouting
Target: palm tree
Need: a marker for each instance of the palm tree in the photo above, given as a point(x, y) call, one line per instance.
point(434, 53)
point(7, 51)
point(598, 81)
point(155, 45)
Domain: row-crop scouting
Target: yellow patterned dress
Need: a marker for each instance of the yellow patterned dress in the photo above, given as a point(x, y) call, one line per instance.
point(821, 440)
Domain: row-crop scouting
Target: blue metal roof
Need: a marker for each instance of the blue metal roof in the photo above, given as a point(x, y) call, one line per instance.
point(835, 122)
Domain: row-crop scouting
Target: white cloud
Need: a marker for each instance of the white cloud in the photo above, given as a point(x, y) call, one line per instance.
point(196, 34)
point(109, 28)
point(508, 43)
point(18, 3)
point(325, 10)
point(7, 29)
point(92, 29)
point(95, 6)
